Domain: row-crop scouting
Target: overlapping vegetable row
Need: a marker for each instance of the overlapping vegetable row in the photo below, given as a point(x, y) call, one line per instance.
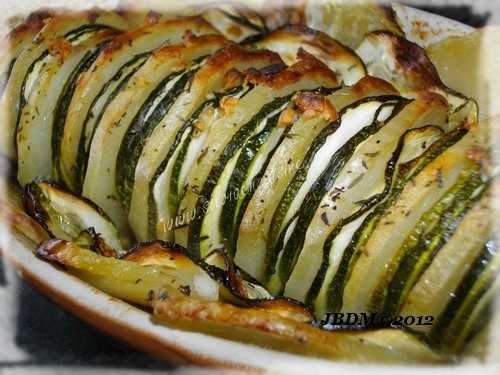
point(337, 178)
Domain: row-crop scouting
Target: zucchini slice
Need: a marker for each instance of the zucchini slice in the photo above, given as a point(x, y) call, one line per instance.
point(65, 216)
point(29, 63)
point(98, 108)
point(255, 224)
point(35, 128)
point(354, 184)
point(426, 239)
point(287, 40)
point(228, 134)
point(384, 232)
point(439, 283)
point(92, 85)
point(168, 182)
point(134, 110)
point(216, 75)
point(63, 102)
point(331, 148)
point(405, 65)
point(468, 311)
point(253, 158)
point(212, 220)
point(130, 280)
point(16, 41)
point(358, 231)
point(412, 145)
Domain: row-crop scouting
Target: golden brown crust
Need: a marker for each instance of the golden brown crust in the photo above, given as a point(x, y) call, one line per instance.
point(429, 98)
point(266, 328)
point(312, 37)
point(226, 57)
point(312, 105)
point(33, 23)
point(50, 251)
point(157, 253)
point(306, 64)
point(369, 83)
point(127, 38)
point(60, 48)
point(413, 59)
point(190, 41)
point(191, 309)
point(20, 223)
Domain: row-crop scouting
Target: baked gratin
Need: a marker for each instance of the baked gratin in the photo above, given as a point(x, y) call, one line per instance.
point(250, 174)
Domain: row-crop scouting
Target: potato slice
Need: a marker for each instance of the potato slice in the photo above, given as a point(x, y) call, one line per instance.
point(128, 280)
point(266, 328)
point(349, 20)
point(470, 64)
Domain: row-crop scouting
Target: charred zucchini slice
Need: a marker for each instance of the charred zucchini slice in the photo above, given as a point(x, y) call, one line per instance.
point(315, 112)
point(65, 216)
point(217, 75)
point(124, 49)
point(28, 64)
point(35, 128)
point(287, 40)
point(134, 110)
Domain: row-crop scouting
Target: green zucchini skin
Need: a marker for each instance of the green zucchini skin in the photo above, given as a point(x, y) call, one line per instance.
point(126, 47)
point(405, 175)
point(313, 198)
point(391, 171)
point(64, 215)
point(63, 102)
point(35, 128)
point(173, 198)
point(174, 182)
point(426, 239)
point(137, 134)
point(18, 40)
point(276, 235)
point(234, 207)
point(121, 79)
point(230, 150)
point(71, 36)
point(470, 310)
